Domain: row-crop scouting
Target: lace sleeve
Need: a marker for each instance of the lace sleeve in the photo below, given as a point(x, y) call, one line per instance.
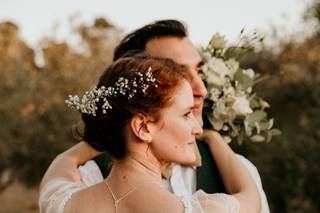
point(256, 177)
point(55, 194)
point(201, 202)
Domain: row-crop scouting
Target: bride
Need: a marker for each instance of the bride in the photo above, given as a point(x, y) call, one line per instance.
point(141, 114)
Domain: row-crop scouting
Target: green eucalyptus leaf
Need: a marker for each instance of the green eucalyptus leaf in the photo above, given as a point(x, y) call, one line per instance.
point(258, 127)
point(217, 124)
point(264, 104)
point(257, 138)
point(256, 116)
point(235, 129)
point(240, 137)
point(254, 103)
point(266, 125)
point(269, 137)
point(247, 128)
point(244, 80)
point(275, 132)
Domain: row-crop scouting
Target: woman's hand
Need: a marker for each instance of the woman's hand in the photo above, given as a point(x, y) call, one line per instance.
point(81, 153)
point(65, 165)
point(235, 175)
point(210, 136)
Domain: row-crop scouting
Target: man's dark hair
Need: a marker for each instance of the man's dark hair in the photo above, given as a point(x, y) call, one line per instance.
point(137, 40)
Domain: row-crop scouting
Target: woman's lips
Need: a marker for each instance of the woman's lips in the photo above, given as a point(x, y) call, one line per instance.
point(192, 143)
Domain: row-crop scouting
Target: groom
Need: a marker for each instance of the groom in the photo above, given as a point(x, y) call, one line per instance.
point(168, 39)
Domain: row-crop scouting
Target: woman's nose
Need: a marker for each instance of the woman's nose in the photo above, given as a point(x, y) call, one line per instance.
point(197, 128)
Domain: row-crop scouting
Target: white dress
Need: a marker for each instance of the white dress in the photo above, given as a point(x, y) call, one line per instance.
point(201, 202)
point(56, 193)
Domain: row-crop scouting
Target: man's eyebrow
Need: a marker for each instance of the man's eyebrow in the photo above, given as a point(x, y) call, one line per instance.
point(200, 64)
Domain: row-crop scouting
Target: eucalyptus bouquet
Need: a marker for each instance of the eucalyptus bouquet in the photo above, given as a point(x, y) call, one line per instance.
point(231, 106)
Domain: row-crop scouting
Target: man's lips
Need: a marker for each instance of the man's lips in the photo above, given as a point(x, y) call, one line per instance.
point(197, 103)
point(197, 107)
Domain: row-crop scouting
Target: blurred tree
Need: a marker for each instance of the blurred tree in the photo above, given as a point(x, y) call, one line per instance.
point(34, 122)
point(312, 15)
point(288, 165)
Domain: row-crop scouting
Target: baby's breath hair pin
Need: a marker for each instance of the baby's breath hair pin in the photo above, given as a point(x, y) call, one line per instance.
point(88, 102)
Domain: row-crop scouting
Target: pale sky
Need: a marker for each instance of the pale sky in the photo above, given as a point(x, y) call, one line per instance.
point(203, 17)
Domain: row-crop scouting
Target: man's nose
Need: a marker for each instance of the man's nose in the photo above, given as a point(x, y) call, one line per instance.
point(199, 90)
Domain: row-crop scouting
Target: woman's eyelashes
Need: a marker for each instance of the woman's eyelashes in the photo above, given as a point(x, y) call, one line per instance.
point(188, 114)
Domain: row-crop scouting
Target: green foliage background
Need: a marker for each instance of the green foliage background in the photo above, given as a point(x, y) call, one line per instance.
point(35, 124)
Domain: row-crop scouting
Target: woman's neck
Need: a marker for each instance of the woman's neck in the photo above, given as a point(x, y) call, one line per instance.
point(137, 166)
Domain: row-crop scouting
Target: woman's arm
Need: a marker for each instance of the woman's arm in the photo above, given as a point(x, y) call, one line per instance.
point(235, 176)
point(65, 165)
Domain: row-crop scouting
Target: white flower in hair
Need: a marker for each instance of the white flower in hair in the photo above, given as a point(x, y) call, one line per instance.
point(123, 86)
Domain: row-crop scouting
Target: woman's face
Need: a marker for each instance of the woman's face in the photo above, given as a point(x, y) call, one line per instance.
point(174, 141)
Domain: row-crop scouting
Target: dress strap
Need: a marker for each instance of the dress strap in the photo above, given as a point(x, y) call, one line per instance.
point(117, 200)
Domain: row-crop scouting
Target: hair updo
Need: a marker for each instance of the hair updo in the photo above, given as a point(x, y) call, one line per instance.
point(105, 132)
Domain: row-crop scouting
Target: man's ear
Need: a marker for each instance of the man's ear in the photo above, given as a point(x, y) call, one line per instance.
point(140, 128)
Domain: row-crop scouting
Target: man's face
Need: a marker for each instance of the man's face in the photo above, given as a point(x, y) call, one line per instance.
point(182, 51)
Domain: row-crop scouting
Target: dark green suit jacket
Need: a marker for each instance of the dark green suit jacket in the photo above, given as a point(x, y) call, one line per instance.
point(208, 177)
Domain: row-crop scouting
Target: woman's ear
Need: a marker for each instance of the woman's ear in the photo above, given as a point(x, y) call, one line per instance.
point(140, 127)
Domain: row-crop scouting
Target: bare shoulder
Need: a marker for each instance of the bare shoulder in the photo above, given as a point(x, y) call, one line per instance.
point(146, 198)
point(152, 198)
point(95, 198)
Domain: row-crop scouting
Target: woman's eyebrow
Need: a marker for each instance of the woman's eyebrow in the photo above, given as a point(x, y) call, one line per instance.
point(189, 108)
